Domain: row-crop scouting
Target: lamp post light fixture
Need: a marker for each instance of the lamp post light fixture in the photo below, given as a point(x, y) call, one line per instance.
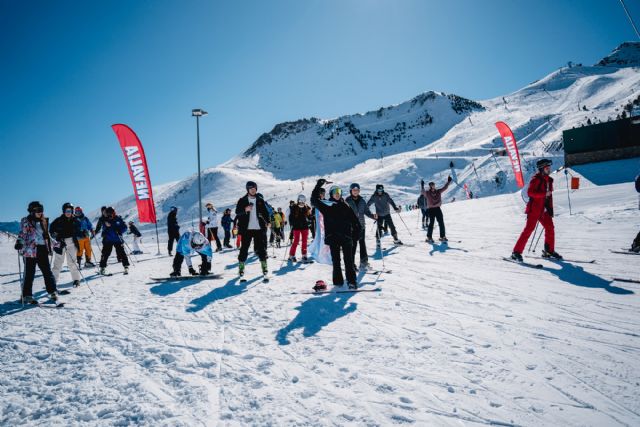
point(197, 113)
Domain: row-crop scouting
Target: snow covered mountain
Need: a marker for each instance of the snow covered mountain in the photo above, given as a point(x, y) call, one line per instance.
point(421, 138)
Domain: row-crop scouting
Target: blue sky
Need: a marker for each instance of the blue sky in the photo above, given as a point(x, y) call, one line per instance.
point(70, 69)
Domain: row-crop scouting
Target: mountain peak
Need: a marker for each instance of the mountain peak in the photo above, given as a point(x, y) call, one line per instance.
point(625, 55)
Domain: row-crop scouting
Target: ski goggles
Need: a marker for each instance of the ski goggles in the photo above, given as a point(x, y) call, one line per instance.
point(37, 210)
point(68, 211)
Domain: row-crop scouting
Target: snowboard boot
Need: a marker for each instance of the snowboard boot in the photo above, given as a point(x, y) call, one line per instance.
point(126, 271)
point(76, 283)
point(516, 256)
point(192, 271)
point(176, 273)
point(241, 269)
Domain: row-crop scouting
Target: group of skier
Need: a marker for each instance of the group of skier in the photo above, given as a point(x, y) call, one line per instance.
point(68, 237)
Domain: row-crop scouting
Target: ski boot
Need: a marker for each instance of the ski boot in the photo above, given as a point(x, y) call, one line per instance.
point(176, 273)
point(205, 267)
point(304, 259)
point(398, 242)
point(516, 256)
point(292, 259)
point(88, 264)
point(192, 271)
point(76, 283)
point(444, 239)
point(378, 244)
point(29, 300)
point(78, 261)
point(430, 240)
point(53, 296)
point(219, 249)
point(241, 269)
point(352, 286)
point(265, 270)
point(103, 272)
point(365, 266)
point(126, 271)
point(550, 254)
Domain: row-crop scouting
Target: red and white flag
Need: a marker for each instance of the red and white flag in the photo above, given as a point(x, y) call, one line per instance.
point(512, 148)
point(138, 171)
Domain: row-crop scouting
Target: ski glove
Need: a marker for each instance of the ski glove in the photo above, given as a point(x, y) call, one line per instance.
point(18, 246)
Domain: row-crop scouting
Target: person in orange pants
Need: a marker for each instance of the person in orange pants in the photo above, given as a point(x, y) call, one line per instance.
point(539, 209)
point(84, 239)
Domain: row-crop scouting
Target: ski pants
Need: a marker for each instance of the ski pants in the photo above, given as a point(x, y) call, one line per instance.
point(84, 248)
point(227, 237)
point(385, 222)
point(299, 235)
point(364, 257)
point(173, 235)
point(259, 238)
point(107, 247)
point(177, 261)
point(136, 243)
point(212, 234)
point(346, 247)
point(549, 232)
point(42, 261)
point(71, 253)
point(435, 214)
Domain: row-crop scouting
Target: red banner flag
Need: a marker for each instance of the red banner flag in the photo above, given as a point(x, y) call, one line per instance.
point(512, 148)
point(466, 190)
point(138, 171)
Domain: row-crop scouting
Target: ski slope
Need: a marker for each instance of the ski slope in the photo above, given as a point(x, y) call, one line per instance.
point(456, 336)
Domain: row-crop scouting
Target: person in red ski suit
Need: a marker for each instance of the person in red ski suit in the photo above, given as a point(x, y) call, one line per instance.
point(539, 209)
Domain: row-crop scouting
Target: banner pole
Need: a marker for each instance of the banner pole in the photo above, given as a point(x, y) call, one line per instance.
point(157, 239)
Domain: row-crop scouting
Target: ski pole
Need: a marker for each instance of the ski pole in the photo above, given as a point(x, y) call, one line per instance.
point(566, 175)
point(84, 279)
point(535, 231)
point(21, 281)
point(133, 257)
point(405, 224)
point(539, 235)
point(284, 258)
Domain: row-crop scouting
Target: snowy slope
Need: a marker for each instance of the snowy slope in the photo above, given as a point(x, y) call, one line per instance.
point(400, 144)
point(456, 336)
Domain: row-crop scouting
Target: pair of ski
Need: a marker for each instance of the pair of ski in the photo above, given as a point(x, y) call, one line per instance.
point(624, 252)
point(539, 266)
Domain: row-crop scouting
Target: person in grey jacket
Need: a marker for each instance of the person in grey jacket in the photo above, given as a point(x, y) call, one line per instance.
point(360, 208)
point(382, 201)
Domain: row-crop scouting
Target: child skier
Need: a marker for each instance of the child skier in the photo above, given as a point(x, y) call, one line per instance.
point(190, 242)
point(299, 216)
point(137, 237)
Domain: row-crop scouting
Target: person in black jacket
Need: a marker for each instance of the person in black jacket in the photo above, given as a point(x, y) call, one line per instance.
point(341, 227)
point(137, 238)
point(252, 218)
point(65, 230)
point(172, 228)
point(361, 209)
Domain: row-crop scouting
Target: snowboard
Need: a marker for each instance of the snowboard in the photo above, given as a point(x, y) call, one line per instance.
point(170, 279)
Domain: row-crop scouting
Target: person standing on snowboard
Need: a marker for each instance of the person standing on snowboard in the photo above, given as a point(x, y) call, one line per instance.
point(539, 209)
point(341, 228)
point(433, 197)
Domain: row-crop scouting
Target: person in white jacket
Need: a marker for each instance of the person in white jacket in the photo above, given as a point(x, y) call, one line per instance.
point(212, 226)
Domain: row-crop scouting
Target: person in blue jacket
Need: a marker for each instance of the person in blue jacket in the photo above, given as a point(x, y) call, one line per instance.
point(113, 228)
point(192, 242)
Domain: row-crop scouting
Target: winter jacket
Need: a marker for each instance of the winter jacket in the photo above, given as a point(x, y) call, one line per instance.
point(242, 217)
point(360, 208)
point(212, 218)
point(340, 223)
point(382, 203)
point(537, 192)
point(134, 230)
point(65, 228)
point(422, 202)
point(278, 219)
point(299, 217)
point(86, 228)
point(226, 221)
point(172, 223)
point(100, 224)
point(184, 247)
point(434, 198)
point(27, 235)
point(113, 233)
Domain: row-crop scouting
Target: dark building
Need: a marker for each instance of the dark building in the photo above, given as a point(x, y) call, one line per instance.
point(614, 140)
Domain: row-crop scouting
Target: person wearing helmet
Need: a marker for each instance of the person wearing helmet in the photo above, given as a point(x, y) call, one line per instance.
point(173, 229)
point(252, 217)
point(361, 209)
point(84, 238)
point(100, 223)
point(226, 223)
point(381, 200)
point(539, 209)
point(211, 226)
point(137, 238)
point(189, 243)
point(65, 231)
point(114, 227)
point(341, 227)
point(433, 197)
point(34, 244)
point(299, 218)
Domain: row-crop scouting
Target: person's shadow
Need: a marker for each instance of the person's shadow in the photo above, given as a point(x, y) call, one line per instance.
point(230, 289)
point(172, 286)
point(250, 259)
point(287, 267)
point(378, 254)
point(577, 276)
point(443, 247)
point(317, 312)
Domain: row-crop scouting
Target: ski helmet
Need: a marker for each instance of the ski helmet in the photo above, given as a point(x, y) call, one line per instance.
point(354, 186)
point(543, 163)
point(110, 211)
point(35, 207)
point(302, 198)
point(251, 184)
point(173, 208)
point(66, 206)
point(78, 210)
point(320, 285)
point(198, 240)
point(335, 189)
point(130, 222)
